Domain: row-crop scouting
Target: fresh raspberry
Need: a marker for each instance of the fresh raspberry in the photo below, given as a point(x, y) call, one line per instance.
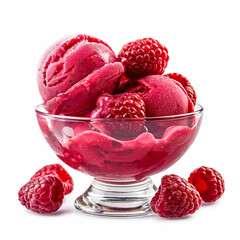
point(144, 57)
point(208, 182)
point(176, 198)
point(185, 83)
point(42, 194)
point(124, 105)
point(60, 172)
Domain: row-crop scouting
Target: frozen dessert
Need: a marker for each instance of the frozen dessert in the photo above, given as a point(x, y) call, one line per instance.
point(162, 96)
point(130, 125)
point(185, 83)
point(102, 155)
point(74, 71)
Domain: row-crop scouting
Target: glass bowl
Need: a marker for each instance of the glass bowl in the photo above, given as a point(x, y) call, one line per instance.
point(121, 155)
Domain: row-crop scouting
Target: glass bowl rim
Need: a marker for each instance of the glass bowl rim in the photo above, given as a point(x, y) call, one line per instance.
point(198, 110)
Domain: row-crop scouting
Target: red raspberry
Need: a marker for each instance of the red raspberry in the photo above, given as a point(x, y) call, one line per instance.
point(154, 200)
point(175, 198)
point(124, 105)
point(185, 83)
point(60, 172)
point(144, 57)
point(208, 182)
point(42, 194)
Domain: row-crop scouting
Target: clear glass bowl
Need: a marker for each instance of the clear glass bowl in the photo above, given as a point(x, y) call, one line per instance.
point(121, 155)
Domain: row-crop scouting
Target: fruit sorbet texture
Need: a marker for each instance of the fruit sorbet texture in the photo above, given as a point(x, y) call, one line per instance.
point(83, 147)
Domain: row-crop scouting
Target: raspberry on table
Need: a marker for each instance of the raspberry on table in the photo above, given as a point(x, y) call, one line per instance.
point(155, 199)
point(208, 182)
point(175, 198)
point(144, 57)
point(42, 194)
point(60, 172)
point(185, 83)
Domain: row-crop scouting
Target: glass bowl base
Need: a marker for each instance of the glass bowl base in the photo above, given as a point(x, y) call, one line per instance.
point(117, 198)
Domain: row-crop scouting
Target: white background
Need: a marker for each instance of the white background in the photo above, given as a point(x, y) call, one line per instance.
point(203, 42)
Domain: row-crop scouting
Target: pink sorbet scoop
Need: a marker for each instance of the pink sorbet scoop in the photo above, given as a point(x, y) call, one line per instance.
point(162, 96)
point(74, 71)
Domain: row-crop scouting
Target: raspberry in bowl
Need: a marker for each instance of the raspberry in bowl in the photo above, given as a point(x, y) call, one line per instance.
point(117, 119)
